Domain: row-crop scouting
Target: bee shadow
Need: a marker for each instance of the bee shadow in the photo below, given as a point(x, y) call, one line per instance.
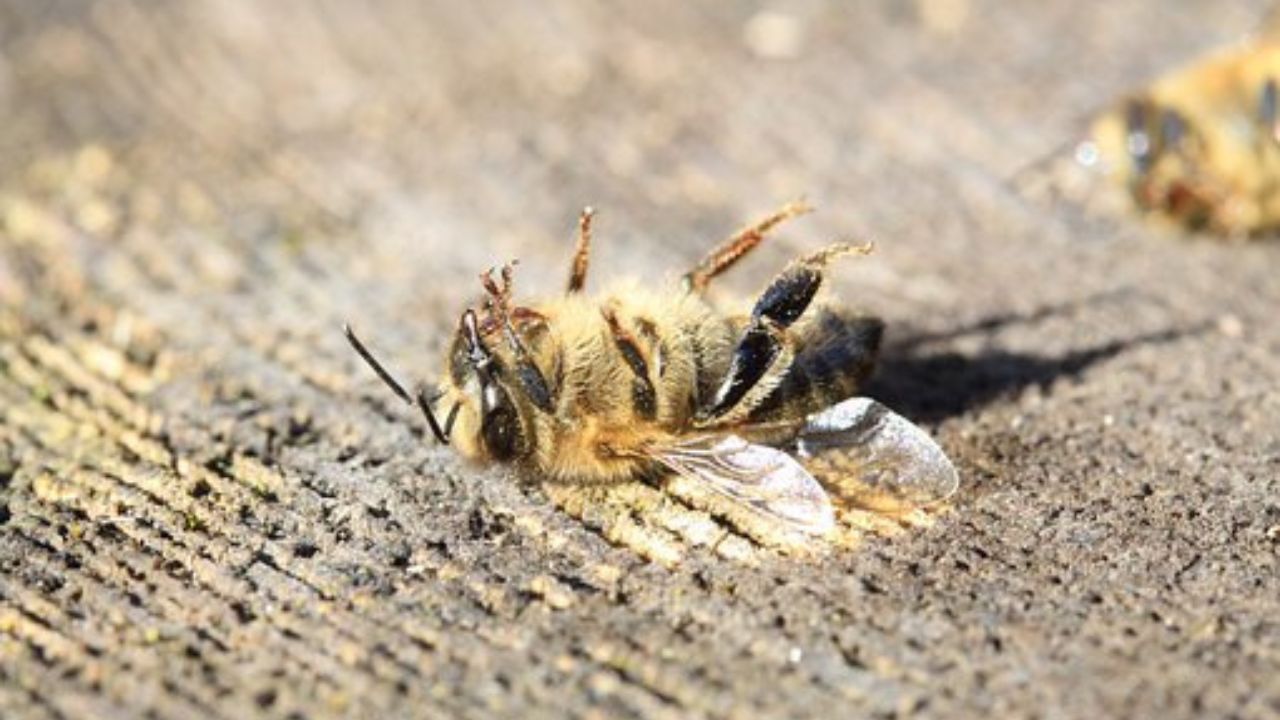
point(933, 386)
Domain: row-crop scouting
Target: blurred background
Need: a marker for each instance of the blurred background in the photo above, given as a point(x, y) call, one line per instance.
point(194, 196)
point(397, 145)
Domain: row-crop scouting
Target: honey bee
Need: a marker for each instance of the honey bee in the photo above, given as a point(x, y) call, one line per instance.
point(1200, 147)
point(638, 383)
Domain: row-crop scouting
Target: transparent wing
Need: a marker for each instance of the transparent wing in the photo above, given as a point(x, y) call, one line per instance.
point(869, 456)
point(762, 479)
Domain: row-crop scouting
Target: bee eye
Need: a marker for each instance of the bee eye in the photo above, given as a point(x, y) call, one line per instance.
point(1138, 140)
point(500, 424)
point(501, 431)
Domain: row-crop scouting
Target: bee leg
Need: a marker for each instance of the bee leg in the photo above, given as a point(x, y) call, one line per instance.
point(581, 252)
point(527, 373)
point(835, 356)
point(527, 317)
point(765, 351)
point(760, 362)
point(497, 301)
point(643, 396)
point(790, 293)
point(730, 251)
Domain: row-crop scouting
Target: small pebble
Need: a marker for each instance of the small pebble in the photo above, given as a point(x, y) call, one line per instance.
point(1231, 326)
point(773, 35)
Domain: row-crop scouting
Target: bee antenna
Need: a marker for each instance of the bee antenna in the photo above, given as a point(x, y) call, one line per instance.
point(387, 378)
point(424, 403)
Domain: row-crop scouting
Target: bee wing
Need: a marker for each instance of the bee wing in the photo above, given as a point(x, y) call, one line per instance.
point(872, 457)
point(762, 479)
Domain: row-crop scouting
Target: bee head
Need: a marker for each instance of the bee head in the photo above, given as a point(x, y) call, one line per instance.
point(490, 423)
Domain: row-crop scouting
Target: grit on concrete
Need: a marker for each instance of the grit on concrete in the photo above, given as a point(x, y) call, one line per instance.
point(210, 509)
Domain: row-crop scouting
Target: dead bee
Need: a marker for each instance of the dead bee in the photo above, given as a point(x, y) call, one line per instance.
point(639, 382)
point(1200, 147)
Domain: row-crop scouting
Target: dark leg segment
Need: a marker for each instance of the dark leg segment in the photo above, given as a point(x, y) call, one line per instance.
point(732, 250)
point(581, 252)
point(527, 373)
point(530, 377)
point(755, 353)
point(763, 340)
point(833, 360)
point(786, 298)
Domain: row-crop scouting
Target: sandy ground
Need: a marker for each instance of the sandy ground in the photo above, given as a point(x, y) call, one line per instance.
point(211, 510)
